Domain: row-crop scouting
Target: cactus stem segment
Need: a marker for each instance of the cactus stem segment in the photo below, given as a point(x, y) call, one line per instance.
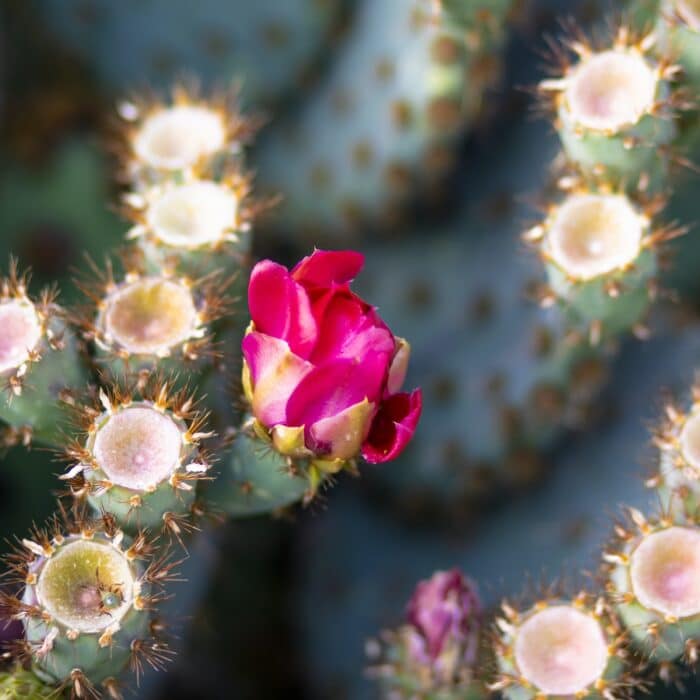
point(141, 457)
point(653, 579)
point(138, 447)
point(146, 318)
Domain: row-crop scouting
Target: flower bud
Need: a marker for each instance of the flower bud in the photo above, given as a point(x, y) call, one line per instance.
point(322, 370)
point(444, 616)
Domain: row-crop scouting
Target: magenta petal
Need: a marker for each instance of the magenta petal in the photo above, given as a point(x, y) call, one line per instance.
point(332, 387)
point(393, 427)
point(348, 328)
point(281, 308)
point(275, 373)
point(325, 267)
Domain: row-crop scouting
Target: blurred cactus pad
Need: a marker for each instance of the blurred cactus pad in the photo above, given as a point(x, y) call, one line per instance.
point(349, 349)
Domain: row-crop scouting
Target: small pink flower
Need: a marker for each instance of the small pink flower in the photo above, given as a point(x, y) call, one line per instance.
point(322, 371)
point(444, 616)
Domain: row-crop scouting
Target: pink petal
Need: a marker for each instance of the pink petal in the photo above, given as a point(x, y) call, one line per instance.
point(341, 436)
point(325, 267)
point(393, 427)
point(275, 372)
point(348, 328)
point(281, 308)
point(330, 388)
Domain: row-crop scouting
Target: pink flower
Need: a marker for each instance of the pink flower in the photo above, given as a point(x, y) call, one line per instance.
point(444, 615)
point(322, 371)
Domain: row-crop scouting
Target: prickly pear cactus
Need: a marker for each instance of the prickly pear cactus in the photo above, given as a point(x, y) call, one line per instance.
point(504, 378)
point(409, 77)
point(268, 46)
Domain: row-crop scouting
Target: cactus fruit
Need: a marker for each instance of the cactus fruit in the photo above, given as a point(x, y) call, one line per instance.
point(654, 578)
point(270, 46)
point(385, 116)
point(145, 320)
point(677, 481)
point(195, 227)
point(156, 140)
point(678, 26)
point(141, 459)
point(614, 108)
point(39, 360)
point(87, 606)
point(599, 253)
point(560, 648)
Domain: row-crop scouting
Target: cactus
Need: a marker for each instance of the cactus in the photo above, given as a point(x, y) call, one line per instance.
point(322, 372)
point(559, 648)
point(651, 577)
point(39, 361)
point(557, 528)
point(435, 653)
point(267, 46)
point(140, 321)
point(141, 460)
point(383, 120)
point(614, 108)
point(87, 604)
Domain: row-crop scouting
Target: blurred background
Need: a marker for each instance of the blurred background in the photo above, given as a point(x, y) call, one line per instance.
point(287, 605)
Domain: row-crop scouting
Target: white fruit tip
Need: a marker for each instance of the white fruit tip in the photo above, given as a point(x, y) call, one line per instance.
point(561, 651)
point(592, 235)
point(138, 447)
point(665, 572)
point(610, 90)
point(177, 137)
point(21, 331)
point(192, 215)
point(150, 316)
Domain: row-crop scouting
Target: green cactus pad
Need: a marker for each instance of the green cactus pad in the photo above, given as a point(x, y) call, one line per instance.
point(269, 45)
point(154, 321)
point(678, 26)
point(40, 363)
point(408, 77)
point(254, 480)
